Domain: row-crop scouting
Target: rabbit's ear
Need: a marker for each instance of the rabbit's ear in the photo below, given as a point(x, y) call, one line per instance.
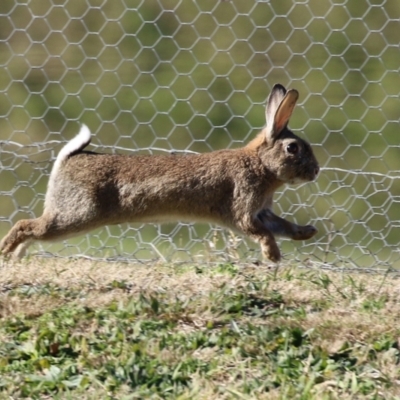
point(279, 110)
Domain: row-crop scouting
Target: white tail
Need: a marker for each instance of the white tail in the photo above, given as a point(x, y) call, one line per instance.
point(80, 141)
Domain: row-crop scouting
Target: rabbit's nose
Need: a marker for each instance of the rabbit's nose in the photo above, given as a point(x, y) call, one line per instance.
point(316, 171)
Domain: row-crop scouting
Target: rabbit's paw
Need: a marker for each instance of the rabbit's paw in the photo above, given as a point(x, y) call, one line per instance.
point(4, 248)
point(271, 251)
point(305, 232)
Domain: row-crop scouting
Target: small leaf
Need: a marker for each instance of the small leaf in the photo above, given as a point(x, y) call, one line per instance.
point(44, 364)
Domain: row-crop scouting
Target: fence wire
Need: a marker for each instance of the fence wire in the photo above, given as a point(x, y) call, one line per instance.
point(194, 76)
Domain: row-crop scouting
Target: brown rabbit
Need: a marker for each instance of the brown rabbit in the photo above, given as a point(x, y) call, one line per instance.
point(232, 188)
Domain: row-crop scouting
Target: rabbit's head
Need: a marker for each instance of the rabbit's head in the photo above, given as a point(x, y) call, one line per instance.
point(289, 157)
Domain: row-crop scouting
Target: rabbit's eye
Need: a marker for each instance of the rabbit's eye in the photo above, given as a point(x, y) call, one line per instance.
point(292, 148)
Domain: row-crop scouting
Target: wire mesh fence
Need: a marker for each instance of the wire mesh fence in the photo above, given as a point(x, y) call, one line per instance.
point(184, 75)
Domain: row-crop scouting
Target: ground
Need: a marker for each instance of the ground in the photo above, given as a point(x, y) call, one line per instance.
point(84, 329)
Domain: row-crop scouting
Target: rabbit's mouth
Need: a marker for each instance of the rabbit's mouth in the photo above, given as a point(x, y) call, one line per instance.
point(297, 181)
point(311, 177)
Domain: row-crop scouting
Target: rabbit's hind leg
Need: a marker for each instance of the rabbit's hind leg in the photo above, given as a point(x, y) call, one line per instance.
point(20, 235)
point(46, 228)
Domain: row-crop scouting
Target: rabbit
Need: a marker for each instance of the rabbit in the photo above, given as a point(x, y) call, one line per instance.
point(232, 188)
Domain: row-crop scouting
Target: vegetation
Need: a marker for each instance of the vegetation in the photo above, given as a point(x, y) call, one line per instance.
point(90, 330)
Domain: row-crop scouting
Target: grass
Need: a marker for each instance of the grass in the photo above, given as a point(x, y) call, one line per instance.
point(90, 330)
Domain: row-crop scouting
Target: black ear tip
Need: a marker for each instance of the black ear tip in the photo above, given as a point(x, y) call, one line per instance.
point(278, 86)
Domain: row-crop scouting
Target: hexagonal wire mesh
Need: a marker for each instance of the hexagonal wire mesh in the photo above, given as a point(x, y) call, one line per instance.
point(194, 76)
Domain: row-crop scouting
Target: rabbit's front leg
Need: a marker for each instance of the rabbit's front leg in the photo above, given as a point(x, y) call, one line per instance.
point(280, 227)
point(270, 248)
point(256, 230)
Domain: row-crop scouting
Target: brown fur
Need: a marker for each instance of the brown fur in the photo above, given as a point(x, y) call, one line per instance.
point(232, 188)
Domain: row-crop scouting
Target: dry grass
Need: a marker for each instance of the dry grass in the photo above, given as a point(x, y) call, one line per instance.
point(346, 296)
point(349, 321)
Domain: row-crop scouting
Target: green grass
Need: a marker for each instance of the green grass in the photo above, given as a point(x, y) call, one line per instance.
point(91, 330)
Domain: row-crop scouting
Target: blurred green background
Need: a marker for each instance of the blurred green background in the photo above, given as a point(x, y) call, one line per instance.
point(195, 75)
